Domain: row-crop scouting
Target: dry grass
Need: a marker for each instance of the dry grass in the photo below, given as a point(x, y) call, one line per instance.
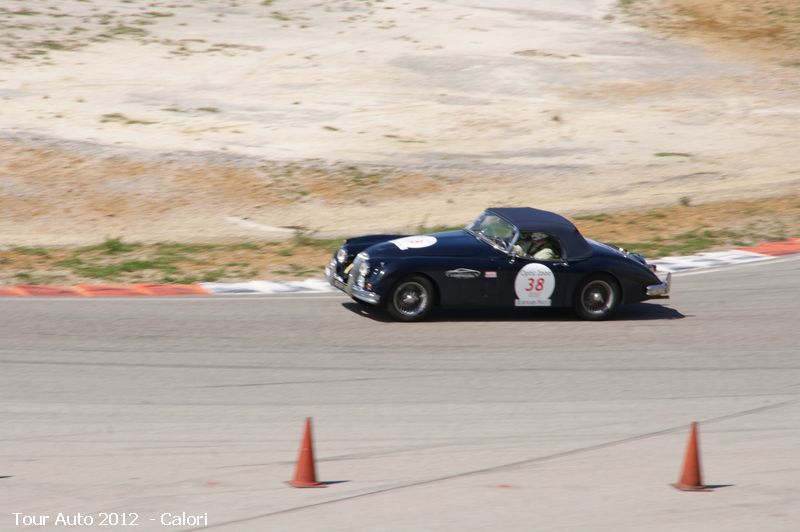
point(682, 229)
point(767, 28)
point(116, 261)
point(57, 187)
point(686, 229)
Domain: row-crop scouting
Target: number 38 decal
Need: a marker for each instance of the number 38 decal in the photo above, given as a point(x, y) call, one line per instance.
point(534, 285)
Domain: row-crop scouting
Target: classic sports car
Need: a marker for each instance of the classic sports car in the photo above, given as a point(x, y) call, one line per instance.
point(507, 257)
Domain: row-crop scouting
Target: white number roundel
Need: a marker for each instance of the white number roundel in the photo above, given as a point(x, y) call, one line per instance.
point(421, 241)
point(534, 282)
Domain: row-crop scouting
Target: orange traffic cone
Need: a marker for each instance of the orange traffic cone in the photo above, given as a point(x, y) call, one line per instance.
point(305, 475)
point(691, 477)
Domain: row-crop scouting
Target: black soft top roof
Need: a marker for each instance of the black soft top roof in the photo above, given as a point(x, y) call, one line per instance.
point(528, 219)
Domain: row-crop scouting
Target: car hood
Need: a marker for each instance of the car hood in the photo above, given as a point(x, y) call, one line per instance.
point(458, 243)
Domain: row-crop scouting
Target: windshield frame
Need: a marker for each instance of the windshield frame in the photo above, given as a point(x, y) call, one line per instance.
point(489, 240)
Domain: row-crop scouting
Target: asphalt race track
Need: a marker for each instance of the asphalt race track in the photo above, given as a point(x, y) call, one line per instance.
point(471, 421)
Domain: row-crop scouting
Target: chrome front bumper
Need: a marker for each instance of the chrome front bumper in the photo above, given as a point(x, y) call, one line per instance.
point(333, 279)
point(365, 295)
point(660, 290)
point(350, 288)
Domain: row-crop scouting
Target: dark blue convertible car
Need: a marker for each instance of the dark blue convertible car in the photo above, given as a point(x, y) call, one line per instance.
point(507, 257)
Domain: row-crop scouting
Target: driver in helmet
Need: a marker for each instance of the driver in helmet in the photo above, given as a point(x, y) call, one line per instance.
point(537, 246)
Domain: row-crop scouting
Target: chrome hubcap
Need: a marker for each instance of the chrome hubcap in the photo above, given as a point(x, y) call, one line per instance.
point(597, 297)
point(411, 298)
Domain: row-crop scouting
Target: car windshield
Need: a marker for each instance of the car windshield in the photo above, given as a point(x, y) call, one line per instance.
point(494, 230)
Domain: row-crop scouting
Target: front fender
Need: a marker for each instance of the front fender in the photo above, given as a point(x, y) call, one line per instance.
point(387, 274)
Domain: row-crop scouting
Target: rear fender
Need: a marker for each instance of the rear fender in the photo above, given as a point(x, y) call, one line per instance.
point(623, 289)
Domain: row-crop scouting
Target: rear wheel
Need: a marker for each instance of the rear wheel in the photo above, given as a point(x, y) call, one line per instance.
point(411, 299)
point(597, 297)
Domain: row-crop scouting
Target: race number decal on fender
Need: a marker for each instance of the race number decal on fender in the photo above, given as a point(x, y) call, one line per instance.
point(413, 242)
point(534, 285)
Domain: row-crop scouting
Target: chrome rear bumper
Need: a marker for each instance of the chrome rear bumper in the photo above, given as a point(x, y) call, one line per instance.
point(660, 290)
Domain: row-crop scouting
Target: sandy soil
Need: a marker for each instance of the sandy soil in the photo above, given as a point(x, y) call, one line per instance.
point(212, 121)
point(766, 30)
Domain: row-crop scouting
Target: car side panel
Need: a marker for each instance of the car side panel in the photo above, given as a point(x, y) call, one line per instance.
point(460, 282)
point(488, 280)
point(504, 293)
point(568, 276)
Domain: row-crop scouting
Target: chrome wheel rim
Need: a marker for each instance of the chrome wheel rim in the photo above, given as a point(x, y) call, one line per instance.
point(597, 297)
point(410, 299)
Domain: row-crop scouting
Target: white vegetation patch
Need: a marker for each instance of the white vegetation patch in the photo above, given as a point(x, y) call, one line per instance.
point(262, 228)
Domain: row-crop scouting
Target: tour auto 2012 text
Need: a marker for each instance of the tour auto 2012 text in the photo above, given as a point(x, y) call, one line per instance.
point(109, 519)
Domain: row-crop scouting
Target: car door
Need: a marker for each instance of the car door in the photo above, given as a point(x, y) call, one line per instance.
point(463, 282)
point(527, 282)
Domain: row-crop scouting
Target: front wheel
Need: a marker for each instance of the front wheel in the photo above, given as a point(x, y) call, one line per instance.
point(411, 299)
point(597, 297)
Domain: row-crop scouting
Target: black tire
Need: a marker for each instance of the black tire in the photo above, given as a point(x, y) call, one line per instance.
point(597, 297)
point(410, 299)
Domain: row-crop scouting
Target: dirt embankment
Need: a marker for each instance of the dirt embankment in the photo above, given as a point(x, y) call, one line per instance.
point(247, 120)
point(53, 195)
point(767, 30)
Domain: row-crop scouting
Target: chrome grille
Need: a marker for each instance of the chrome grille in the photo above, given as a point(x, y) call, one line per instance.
point(353, 275)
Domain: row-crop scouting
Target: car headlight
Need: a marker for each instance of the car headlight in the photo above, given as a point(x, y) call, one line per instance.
point(341, 256)
point(363, 269)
